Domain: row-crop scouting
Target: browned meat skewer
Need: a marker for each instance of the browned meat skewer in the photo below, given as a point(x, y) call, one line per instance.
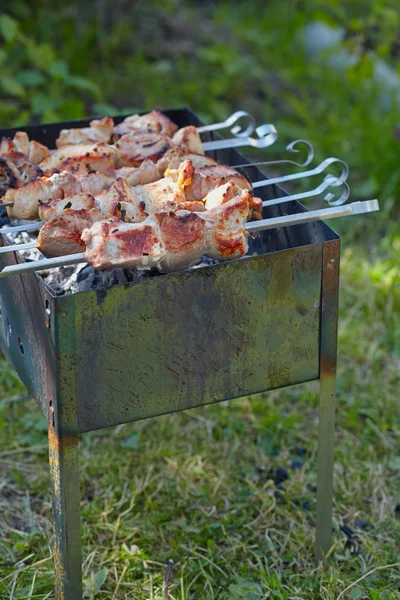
point(100, 130)
point(55, 206)
point(152, 122)
point(169, 241)
point(81, 159)
point(61, 235)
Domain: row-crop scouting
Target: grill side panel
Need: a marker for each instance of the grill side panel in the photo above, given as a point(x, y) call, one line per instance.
point(27, 332)
point(189, 339)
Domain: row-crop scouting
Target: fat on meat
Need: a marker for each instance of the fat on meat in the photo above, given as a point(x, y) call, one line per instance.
point(114, 244)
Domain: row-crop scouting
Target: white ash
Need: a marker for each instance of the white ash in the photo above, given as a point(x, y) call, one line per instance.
point(83, 277)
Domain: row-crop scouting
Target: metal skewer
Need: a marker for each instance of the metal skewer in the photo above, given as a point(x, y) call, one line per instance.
point(29, 227)
point(267, 135)
point(233, 122)
point(290, 148)
point(18, 247)
point(329, 181)
point(356, 208)
point(316, 171)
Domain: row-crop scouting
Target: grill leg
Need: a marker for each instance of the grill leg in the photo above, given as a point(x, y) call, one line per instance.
point(64, 476)
point(328, 352)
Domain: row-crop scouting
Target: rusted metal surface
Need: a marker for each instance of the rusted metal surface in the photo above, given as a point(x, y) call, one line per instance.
point(188, 339)
point(25, 337)
point(328, 354)
point(64, 465)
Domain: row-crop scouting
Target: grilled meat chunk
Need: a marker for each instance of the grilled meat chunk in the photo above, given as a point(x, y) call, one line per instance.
point(163, 194)
point(133, 149)
point(146, 172)
point(226, 237)
point(188, 139)
point(16, 170)
point(112, 244)
point(209, 177)
point(198, 160)
point(61, 235)
point(81, 159)
point(26, 198)
point(100, 130)
point(221, 194)
point(119, 200)
point(184, 238)
point(32, 150)
point(55, 206)
point(226, 192)
point(152, 122)
point(94, 183)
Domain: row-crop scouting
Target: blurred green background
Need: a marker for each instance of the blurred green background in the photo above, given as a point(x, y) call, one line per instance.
point(202, 487)
point(324, 70)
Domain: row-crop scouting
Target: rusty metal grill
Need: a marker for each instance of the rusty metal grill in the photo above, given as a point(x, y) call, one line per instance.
point(136, 350)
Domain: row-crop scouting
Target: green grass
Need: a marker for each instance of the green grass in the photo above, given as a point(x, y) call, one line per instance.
point(198, 487)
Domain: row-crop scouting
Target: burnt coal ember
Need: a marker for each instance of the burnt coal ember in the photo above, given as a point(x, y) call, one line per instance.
point(90, 279)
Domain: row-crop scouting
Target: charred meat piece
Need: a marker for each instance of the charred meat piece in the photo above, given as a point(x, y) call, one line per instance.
point(55, 206)
point(113, 244)
point(16, 170)
point(146, 172)
point(61, 235)
point(184, 238)
point(152, 122)
point(26, 198)
point(226, 237)
point(221, 194)
point(132, 150)
point(81, 159)
point(163, 194)
point(119, 200)
point(226, 192)
point(209, 177)
point(188, 139)
point(33, 151)
point(100, 130)
point(94, 183)
point(198, 160)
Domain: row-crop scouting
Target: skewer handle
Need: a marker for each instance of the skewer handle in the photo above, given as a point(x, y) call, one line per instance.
point(232, 122)
point(267, 135)
point(356, 208)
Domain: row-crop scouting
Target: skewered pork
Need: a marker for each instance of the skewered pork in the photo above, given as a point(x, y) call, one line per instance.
point(134, 149)
point(152, 122)
point(26, 198)
point(119, 200)
point(115, 244)
point(61, 235)
point(169, 241)
point(206, 178)
point(81, 159)
point(226, 237)
point(100, 130)
point(184, 238)
point(32, 150)
point(55, 206)
point(188, 139)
